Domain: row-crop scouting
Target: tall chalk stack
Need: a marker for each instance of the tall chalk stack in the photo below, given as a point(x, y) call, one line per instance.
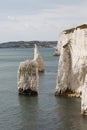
point(28, 78)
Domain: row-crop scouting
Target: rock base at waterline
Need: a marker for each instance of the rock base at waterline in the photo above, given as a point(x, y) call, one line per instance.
point(27, 92)
point(84, 113)
point(68, 93)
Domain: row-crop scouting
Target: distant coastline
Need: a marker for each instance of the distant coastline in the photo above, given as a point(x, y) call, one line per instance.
point(28, 44)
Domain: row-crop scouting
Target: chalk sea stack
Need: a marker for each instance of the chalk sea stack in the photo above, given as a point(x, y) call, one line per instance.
point(28, 78)
point(72, 67)
point(38, 58)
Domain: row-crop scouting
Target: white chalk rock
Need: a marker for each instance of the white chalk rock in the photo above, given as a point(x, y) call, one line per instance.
point(57, 50)
point(84, 98)
point(38, 58)
point(63, 38)
point(72, 66)
point(28, 78)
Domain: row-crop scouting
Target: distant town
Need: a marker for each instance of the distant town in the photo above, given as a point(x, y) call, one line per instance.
point(28, 44)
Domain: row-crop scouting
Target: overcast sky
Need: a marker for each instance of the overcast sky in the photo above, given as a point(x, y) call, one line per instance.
point(39, 19)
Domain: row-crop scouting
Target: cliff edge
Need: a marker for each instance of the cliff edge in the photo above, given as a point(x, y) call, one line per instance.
point(65, 37)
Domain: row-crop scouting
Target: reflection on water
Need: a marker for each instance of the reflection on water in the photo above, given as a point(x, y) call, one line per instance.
point(47, 112)
point(29, 112)
point(68, 112)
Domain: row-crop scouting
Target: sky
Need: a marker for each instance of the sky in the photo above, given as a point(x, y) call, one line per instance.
point(44, 20)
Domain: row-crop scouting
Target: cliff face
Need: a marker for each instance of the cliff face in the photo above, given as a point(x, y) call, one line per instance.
point(72, 66)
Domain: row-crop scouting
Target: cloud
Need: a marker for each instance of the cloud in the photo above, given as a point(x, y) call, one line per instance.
point(48, 17)
point(43, 25)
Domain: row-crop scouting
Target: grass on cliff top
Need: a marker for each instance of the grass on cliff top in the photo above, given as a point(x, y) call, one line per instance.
point(69, 31)
point(72, 29)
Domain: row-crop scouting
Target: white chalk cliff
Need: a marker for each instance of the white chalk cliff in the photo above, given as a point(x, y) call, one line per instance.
point(72, 67)
point(28, 78)
point(38, 58)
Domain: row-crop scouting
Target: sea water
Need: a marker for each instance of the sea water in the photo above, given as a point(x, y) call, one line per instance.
point(44, 112)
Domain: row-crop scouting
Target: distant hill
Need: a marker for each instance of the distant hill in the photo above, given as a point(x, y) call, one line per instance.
point(28, 44)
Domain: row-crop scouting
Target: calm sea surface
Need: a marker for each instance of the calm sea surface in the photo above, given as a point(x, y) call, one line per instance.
point(44, 112)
